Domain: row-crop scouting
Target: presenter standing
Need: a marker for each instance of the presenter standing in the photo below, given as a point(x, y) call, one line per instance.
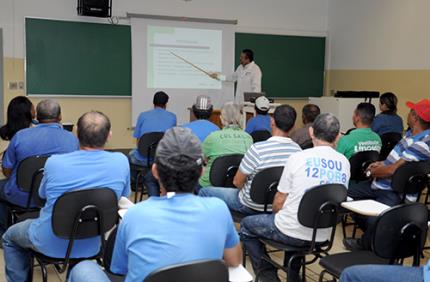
point(247, 75)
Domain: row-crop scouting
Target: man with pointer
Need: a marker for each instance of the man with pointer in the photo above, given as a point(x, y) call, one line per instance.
point(247, 75)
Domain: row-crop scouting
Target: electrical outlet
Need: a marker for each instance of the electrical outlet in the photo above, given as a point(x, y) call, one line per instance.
point(13, 85)
point(21, 85)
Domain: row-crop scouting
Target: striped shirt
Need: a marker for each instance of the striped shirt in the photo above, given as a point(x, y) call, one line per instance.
point(270, 153)
point(410, 148)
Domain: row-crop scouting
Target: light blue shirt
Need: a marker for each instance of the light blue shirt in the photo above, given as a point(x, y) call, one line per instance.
point(163, 231)
point(156, 120)
point(74, 171)
point(43, 139)
point(385, 123)
point(202, 128)
point(259, 122)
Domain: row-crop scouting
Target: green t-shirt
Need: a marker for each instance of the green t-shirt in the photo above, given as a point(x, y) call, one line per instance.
point(359, 140)
point(228, 141)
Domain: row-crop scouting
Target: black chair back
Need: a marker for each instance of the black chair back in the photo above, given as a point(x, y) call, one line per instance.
point(108, 251)
point(264, 185)
point(389, 141)
point(359, 163)
point(224, 169)
point(260, 135)
point(28, 177)
point(307, 144)
point(84, 213)
point(400, 232)
point(205, 270)
point(148, 144)
point(411, 178)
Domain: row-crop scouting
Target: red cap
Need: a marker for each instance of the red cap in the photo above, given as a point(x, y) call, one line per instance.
point(422, 108)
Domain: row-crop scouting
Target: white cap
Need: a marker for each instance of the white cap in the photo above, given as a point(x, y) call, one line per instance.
point(262, 103)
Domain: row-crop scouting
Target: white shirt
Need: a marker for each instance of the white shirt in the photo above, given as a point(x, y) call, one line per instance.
point(304, 170)
point(248, 79)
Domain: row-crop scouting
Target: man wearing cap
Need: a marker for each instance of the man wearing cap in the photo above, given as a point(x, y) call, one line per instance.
point(270, 153)
point(413, 147)
point(261, 121)
point(178, 227)
point(202, 110)
point(155, 120)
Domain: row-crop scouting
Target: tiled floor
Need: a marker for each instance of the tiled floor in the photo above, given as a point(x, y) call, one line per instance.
point(313, 270)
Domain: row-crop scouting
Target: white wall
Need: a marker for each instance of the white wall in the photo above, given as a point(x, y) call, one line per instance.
point(304, 17)
point(379, 34)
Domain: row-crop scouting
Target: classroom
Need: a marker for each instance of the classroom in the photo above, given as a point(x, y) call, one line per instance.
point(265, 123)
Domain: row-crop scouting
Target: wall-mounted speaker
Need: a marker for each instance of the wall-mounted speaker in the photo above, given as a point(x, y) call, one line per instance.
point(95, 8)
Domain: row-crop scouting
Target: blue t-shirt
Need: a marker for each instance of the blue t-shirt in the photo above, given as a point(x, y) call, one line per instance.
point(201, 128)
point(43, 139)
point(74, 171)
point(384, 123)
point(156, 120)
point(259, 122)
point(163, 231)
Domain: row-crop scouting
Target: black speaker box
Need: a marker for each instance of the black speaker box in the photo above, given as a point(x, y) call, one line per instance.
point(95, 8)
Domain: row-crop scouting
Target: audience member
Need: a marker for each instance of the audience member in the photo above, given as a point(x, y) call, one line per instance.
point(388, 120)
point(413, 147)
point(47, 138)
point(176, 225)
point(261, 121)
point(155, 120)
point(230, 140)
point(20, 114)
point(303, 170)
point(273, 152)
point(309, 114)
point(362, 138)
point(90, 167)
point(202, 110)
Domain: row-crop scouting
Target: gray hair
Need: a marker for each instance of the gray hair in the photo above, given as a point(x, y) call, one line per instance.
point(48, 110)
point(326, 127)
point(231, 114)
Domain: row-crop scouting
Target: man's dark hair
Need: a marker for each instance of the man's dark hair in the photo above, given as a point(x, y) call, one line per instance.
point(390, 101)
point(93, 129)
point(48, 110)
point(249, 54)
point(160, 99)
point(285, 117)
point(310, 113)
point(366, 112)
point(261, 112)
point(424, 124)
point(181, 175)
point(326, 127)
point(202, 114)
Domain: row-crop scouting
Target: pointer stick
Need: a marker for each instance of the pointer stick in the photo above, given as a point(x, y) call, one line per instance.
point(193, 65)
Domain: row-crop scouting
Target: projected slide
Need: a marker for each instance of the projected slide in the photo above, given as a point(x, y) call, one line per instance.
point(201, 47)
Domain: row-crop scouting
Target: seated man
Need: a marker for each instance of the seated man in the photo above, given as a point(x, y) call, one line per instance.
point(261, 121)
point(309, 114)
point(90, 167)
point(176, 225)
point(362, 138)
point(202, 110)
point(273, 152)
point(413, 147)
point(155, 120)
point(230, 140)
point(302, 171)
point(47, 138)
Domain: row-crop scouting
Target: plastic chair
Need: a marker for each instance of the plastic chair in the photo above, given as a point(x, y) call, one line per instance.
point(224, 169)
point(307, 144)
point(389, 141)
point(359, 163)
point(260, 135)
point(411, 179)
point(317, 209)
point(77, 215)
point(399, 232)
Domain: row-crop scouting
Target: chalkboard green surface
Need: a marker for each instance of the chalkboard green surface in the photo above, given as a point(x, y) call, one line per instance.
point(77, 58)
point(292, 66)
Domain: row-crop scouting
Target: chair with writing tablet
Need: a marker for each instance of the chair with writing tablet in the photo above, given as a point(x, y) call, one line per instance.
point(224, 169)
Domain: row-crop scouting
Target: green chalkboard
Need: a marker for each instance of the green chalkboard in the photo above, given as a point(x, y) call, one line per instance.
point(292, 66)
point(77, 58)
